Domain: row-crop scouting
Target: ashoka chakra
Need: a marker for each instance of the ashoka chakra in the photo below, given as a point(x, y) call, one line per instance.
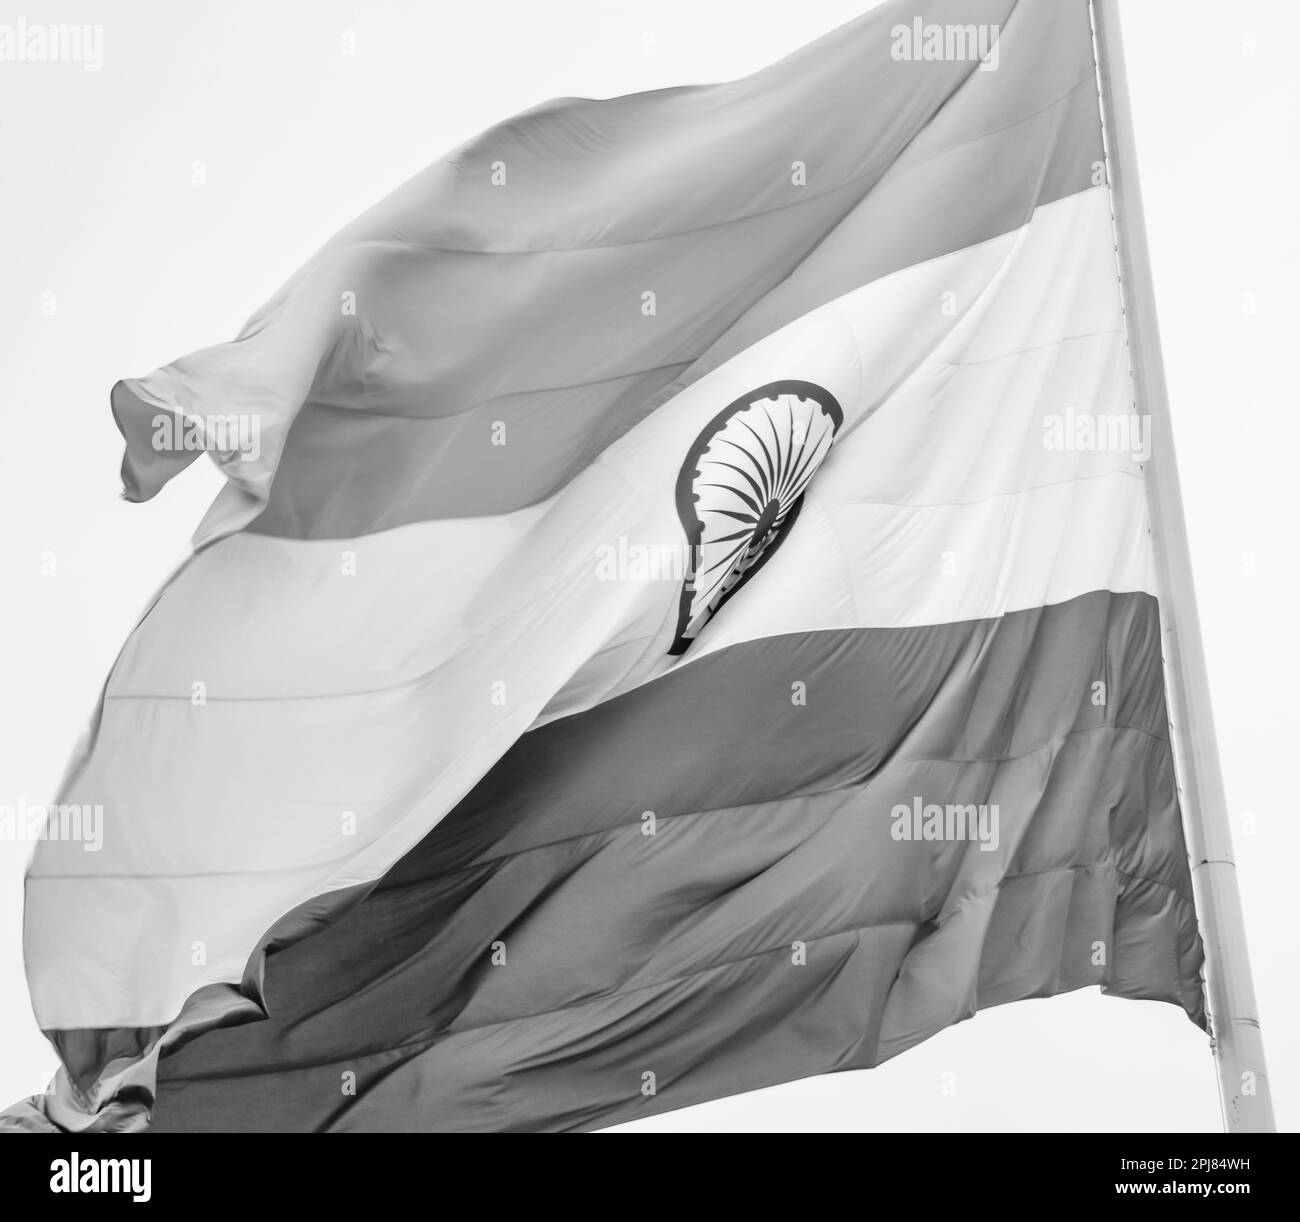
point(740, 488)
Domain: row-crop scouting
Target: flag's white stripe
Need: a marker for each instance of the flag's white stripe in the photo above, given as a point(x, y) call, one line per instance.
point(957, 488)
point(889, 565)
point(294, 716)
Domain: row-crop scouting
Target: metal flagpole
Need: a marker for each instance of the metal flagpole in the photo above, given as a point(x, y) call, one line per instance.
point(1230, 993)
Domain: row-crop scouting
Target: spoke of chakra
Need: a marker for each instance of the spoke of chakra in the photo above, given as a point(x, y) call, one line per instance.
point(739, 517)
point(812, 457)
point(748, 478)
point(754, 505)
point(771, 471)
point(788, 497)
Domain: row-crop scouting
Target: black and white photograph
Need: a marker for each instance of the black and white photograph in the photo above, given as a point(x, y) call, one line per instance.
point(649, 567)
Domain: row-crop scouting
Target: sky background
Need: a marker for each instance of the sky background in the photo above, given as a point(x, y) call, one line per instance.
point(115, 258)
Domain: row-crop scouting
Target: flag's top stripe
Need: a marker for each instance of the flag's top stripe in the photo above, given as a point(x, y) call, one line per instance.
point(500, 339)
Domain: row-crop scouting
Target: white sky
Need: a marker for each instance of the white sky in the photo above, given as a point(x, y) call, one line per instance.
point(98, 208)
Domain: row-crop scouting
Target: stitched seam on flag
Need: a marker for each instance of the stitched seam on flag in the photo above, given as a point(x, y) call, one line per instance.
point(423, 675)
point(994, 131)
point(427, 1042)
point(984, 500)
point(250, 871)
point(679, 365)
point(623, 827)
point(834, 228)
point(1001, 356)
point(1010, 759)
point(380, 414)
point(855, 180)
point(851, 788)
point(783, 947)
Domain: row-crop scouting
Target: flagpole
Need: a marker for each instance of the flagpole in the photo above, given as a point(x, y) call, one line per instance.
point(1230, 993)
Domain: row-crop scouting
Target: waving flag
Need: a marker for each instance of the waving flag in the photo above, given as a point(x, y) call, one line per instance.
point(681, 617)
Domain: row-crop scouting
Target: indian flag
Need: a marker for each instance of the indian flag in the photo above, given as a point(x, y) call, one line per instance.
point(681, 617)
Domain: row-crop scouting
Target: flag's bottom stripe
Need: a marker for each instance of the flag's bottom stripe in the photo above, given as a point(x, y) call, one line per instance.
point(740, 1026)
point(704, 881)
